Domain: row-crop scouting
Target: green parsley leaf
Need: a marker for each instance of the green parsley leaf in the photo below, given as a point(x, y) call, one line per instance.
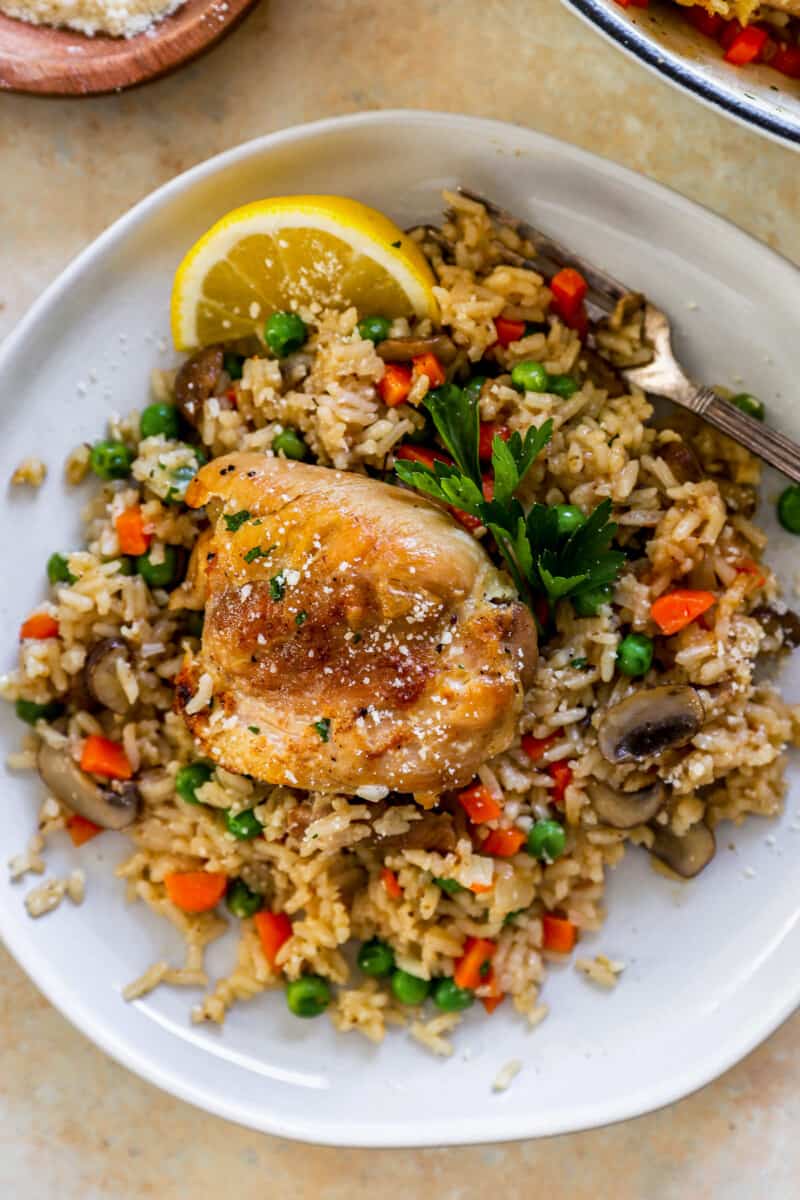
point(300, 618)
point(323, 728)
point(258, 552)
point(234, 521)
point(512, 460)
point(582, 562)
point(455, 415)
point(277, 587)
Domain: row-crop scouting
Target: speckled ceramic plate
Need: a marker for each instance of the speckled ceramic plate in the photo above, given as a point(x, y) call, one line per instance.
point(662, 39)
point(713, 965)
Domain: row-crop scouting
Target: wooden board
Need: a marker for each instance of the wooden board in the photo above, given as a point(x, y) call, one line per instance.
point(61, 62)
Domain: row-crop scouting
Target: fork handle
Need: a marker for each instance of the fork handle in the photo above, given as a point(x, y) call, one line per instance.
point(775, 448)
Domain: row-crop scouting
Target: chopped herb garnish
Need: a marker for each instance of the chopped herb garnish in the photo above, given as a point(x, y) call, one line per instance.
point(356, 638)
point(277, 586)
point(254, 728)
point(323, 728)
point(300, 618)
point(579, 663)
point(259, 552)
point(539, 554)
point(397, 245)
point(235, 521)
point(509, 917)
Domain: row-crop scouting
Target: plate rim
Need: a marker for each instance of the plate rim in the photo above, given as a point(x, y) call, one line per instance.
point(416, 1132)
point(681, 72)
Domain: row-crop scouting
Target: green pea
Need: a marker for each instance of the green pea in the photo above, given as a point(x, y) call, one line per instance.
point(159, 575)
point(589, 603)
point(563, 386)
point(376, 958)
point(111, 460)
point(546, 840)
point(374, 329)
point(31, 712)
point(530, 376)
point(473, 388)
point(789, 509)
point(241, 901)
point(409, 989)
point(284, 333)
point(160, 420)
point(635, 654)
point(233, 364)
point(58, 570)
point(308, 996)
point(570, 518)
point(449, 997)
point(192, 777)
point(750, 405)
point(243, 825)
point(290, 444)
point(451, 886)
point(193, 622)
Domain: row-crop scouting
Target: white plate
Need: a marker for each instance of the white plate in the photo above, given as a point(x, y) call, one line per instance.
point(713, 965)
point(662, 39)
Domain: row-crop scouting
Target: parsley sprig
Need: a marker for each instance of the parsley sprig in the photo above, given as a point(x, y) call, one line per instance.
point(538, 557)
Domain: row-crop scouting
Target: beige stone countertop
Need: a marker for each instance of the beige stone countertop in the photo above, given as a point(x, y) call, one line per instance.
point(73, 1124)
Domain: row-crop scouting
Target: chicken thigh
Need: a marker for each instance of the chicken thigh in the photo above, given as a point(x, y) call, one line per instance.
point(355, 637)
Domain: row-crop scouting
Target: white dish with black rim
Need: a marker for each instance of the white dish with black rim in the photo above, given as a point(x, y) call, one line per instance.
point(662, 39)
point(713, 965)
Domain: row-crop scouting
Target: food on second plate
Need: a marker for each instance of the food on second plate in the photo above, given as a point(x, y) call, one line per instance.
point(401, 628)
point(748, 31)
point(92, 16)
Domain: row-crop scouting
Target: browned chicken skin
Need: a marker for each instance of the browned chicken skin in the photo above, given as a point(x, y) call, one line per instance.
point(354, 635)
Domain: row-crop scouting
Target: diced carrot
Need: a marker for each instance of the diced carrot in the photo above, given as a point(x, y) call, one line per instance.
point(395, 384)
point(472, 968)
point(273, 930)
point(479, 889)
point(133, 538)
point(39, 626)
point(428, 364)
point(491, 996)
point(503, 843)
point(569, 290)
point(81, 830)
point(746, 46)
point(561, 775)
point(195, 891)
point(705, 22)
point(787, 60)
point(479, 804)
point(508, 331)
point(675, 610)
point(488, 432)
point(391, 883)
point(103, 757)
point(232, 397)
point(536, 748)
point(558, 934)
point(466, 519)
point(421, 454)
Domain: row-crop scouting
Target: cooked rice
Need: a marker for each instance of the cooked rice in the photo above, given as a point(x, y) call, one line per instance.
point(30, 472)
point(315, 860)
point(600, 970)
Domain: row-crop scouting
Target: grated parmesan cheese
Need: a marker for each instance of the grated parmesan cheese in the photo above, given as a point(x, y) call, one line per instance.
point(120, 18)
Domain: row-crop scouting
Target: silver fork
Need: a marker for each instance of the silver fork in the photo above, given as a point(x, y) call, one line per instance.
point(663, 375)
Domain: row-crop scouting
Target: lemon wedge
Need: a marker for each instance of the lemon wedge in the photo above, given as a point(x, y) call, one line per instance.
point(292, 251)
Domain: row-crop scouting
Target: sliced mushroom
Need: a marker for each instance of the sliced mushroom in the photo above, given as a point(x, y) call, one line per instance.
point(595, 368)
point(784, 626)
point(197, 380)
point(649, 722)
point(624, 810)
point(109, 807)
point(686, 855)
point(434, 832)
point(682, 461)
point(100, 673)
point(403, 349)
